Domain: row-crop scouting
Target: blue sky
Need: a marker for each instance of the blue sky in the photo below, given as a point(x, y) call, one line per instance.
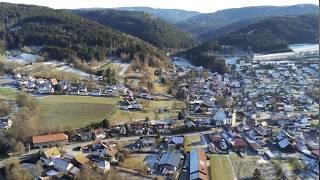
point(195, 5)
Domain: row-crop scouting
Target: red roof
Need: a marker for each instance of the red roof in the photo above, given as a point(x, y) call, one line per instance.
point(316, 152)
point(239, 143)
point(49, 138)
point(216, 138)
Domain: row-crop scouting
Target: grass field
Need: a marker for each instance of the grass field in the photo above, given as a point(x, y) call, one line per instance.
point(66, 112)
point(221, 168)
point(243, 167)
point(192, 142)
point(135, 162)
point(7, 93)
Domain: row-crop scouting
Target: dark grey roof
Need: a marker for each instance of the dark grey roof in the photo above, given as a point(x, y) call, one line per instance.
point(170, 158)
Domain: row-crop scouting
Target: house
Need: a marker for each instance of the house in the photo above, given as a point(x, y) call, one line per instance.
point(85, 136)
point(111, 153)
point(80, 160)
point(220, 117)
point(95, 92)
point(198, 165)
point(73, 90)
point(45, 88)
point(145, 142)
point(49, 154)
point(61, 164)
point(103, 166)
point(83, 90)
point(49, 140)
point(53, 82)
point(169, 162)
point(123, 130)
point(175, 141)
point(239, 145)
point(99, 134)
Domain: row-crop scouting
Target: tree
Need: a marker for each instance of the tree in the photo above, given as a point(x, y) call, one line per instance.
point(19, 148)
point(13, 171)
point(181, 115)
point(37, 169)
point(221, 100)
point(233, 67)
point(257, 174)
point(5, 109)
point(58, 88)
point(2, 68)
point(147, 119)
point(106, 123)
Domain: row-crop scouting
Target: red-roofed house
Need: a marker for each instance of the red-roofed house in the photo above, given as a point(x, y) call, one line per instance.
point(239, 144)
point(49, 140)
point(316, 153)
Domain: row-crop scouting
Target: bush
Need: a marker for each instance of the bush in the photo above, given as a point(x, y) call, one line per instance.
point(5, 109)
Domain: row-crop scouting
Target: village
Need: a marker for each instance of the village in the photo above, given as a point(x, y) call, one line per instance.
point(259, 120)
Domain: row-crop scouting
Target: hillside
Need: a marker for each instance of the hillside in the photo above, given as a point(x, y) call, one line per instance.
point(142, 25)
point(64, 35)
point(170, 15)
point(275, 33)
point(203, 24)
point(206, 55)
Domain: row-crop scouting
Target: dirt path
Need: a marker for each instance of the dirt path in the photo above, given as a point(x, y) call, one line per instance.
point(124, 69)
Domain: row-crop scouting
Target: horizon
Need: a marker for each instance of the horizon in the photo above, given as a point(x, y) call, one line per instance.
point(207, 6)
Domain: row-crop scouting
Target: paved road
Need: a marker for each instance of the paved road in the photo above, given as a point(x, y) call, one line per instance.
point(71, 146)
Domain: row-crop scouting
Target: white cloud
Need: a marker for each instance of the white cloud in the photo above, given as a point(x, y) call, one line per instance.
point(196, 5)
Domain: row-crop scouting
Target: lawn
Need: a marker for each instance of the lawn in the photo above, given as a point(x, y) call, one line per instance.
point(7, 93)
point(135, 162)
point(69, 112)
point(65, 112)
point(192, 142)
point(151, 110)
point(221, 168)
point(160, 88)
point(243, 167)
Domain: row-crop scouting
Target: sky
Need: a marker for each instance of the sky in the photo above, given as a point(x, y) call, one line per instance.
point(194, 5)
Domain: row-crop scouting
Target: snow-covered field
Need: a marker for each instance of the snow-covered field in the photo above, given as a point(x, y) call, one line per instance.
point(180, 62)
point(274, 56)
point(232, 60)
point(24, 58)
point(298, 48)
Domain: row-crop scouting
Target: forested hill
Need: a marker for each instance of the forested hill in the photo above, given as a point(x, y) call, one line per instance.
point(142, 25)
point(65, 35)
point(204, 25)
point(169, 15)
point(275, 33)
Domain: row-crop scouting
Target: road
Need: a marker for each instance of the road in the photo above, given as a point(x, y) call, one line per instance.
point(71, 146)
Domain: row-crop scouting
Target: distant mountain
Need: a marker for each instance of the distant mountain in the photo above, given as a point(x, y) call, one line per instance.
point(64, 35)
point(142, 25)
point(204, 25)
point(269, 35)
point(275, 33)
point(170, 15)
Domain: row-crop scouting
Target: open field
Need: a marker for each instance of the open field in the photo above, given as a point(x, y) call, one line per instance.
point(66, 112)
point(243, 167)
point(221, 168)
